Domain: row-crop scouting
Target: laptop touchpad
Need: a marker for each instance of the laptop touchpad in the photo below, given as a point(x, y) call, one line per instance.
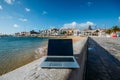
point(55, 64)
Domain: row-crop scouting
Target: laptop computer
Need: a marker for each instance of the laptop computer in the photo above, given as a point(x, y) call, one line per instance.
point(60, 54)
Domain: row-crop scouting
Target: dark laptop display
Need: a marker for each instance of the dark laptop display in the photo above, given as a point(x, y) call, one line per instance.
point(60, 54)
point(61, 47)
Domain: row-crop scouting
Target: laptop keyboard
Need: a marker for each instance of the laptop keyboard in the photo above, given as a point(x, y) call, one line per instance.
point(59, 59)
point(55, 64)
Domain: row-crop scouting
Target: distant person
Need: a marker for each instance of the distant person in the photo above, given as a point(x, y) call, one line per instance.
point(77, 33)
point(113, 35)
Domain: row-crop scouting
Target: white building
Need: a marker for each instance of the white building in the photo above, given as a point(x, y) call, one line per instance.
point(102, 33)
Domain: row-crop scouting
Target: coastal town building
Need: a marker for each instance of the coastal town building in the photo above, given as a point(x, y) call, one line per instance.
point(102, 33)
point(22, 34)
point(90, 32)
point(0, 34)
point(49, 32)
point(76, 32)
point(66, 32)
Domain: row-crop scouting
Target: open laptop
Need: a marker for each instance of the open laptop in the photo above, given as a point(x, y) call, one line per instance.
point(60, 54)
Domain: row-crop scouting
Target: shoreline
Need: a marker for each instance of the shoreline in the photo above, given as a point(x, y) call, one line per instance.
point(41, 51)
point(17, 52)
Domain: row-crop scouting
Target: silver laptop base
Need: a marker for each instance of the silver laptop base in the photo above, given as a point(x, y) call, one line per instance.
point(59, 64)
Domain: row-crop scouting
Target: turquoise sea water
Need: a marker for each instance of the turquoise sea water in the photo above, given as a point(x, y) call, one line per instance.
point(17, 51)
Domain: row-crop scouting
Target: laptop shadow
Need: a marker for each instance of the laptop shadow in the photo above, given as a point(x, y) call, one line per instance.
point(79, 73)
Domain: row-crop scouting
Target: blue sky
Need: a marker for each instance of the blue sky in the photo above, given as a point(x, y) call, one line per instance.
point(26, 15)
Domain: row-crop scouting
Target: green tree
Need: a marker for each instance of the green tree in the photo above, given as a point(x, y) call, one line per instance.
point(115, 28)
point(108, 31)
point(97, 31)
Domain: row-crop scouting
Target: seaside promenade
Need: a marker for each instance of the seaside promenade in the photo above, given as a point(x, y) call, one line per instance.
point(103, 61)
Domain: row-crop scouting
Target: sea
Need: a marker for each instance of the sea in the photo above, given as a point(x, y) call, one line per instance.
point(18, 51)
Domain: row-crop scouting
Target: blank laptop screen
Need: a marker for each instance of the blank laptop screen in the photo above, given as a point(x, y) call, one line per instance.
point(60, 47)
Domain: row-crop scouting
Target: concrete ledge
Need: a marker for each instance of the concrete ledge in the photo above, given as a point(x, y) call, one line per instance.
point(32, 71)
point(79, 74)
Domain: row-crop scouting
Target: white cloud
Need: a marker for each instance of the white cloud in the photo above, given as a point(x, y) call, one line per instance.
point(27, 9)
point(1, 8)
point(78, 25)
point(23, 19)
point(15, 25)
point(44, 12)
point(119, 18)
point(70, 25)
point(88, 23)
point(89, 3)
point(9, 1)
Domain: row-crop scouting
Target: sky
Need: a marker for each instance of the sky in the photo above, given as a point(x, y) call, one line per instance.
point(26, 15)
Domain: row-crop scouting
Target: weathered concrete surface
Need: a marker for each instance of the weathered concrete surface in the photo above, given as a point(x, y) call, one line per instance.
point(79, 74)
point(103, 59)
point(32, 71)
